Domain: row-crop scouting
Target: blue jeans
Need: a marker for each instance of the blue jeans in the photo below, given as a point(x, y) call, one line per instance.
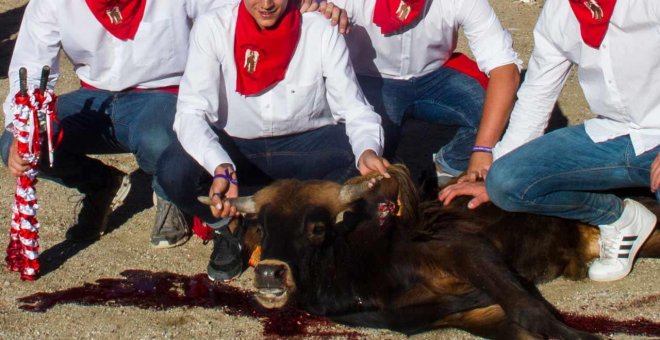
point(564, 174)
point(324, 153)
point(444, 96)
point(104, 122)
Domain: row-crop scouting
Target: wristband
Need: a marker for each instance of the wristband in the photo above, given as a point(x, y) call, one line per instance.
point(226, 176)
point(478, 148)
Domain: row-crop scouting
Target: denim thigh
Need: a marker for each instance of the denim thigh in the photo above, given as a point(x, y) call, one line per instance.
point(323, 153)
point(143, 122)
point(563, 173)
point(449, 97)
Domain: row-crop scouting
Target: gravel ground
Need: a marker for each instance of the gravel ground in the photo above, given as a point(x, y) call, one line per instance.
point(105, 273)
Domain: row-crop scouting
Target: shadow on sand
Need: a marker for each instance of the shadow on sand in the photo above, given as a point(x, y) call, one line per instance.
point(138, 199)
point(11, 22)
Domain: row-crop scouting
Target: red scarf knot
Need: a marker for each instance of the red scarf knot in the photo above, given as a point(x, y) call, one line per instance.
point(262, 56)
point(391, 15)
point(120, 18)
point(594, 18)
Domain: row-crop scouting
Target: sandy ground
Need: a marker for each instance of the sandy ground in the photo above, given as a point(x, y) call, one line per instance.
point(632, 304)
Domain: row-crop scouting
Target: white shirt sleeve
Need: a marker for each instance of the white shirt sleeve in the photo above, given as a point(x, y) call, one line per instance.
point(199, 97)
point(345, 98)
point(38, 44)
point(546, 75)
point(490, 43)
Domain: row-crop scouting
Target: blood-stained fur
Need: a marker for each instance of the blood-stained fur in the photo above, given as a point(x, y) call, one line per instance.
point(373, 255)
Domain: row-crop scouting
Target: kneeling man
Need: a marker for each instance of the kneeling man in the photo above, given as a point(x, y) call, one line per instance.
point(267, 93)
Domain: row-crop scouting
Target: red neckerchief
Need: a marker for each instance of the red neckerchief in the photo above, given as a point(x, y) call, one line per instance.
point(594, 18)
point(262, 56)
point(390, 15)
point(462, 63)
point(119, 17)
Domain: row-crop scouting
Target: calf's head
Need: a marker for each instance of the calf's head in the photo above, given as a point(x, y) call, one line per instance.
point(293, 219)
point(297, 222)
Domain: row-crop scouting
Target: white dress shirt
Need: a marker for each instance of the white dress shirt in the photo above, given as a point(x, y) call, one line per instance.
point(319, 89)
point(425, 47)
point(156, 57)
point(620, 80)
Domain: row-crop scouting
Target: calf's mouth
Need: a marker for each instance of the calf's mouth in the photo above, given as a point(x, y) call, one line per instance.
point(274, 283)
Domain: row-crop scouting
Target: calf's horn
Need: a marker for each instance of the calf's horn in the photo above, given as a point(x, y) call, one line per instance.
point(352, 192)
point(244, 204)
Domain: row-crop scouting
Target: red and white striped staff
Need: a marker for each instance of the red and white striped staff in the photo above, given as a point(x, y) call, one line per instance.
point(33, 110)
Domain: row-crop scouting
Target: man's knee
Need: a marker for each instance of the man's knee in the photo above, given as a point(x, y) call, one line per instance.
point(505, 188)
point(175, 173)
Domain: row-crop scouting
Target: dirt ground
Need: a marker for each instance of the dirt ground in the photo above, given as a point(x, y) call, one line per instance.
point(111, 282)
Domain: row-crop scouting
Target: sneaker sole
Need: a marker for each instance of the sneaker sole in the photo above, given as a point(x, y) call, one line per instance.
point(637, 245)
point(163, 244)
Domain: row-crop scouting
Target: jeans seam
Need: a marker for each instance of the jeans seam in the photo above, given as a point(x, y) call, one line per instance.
point(524, 193)
point(460, 113)
point(602, 211)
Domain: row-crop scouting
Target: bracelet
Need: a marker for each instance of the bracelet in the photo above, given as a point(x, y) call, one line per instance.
point(226, 176)
point(478, 148)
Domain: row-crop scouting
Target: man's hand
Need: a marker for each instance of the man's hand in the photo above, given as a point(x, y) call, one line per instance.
point(478, 167)
point(369, 161)
point(475, 189)
point(655, 174)
point(336, 15)
point(308, 6)
point(222, 188)
point(17, 165)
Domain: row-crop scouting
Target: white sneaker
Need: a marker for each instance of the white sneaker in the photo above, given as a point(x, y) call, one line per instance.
point(619, 244)
point(442, 177)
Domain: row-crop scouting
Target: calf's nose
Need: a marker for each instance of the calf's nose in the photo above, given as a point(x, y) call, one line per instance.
point(270, 275)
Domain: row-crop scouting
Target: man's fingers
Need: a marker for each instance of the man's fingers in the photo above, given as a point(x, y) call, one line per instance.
point(335, 16)
point(322, 6)
point(328, 11)
point(308, 6)
point(475, 202)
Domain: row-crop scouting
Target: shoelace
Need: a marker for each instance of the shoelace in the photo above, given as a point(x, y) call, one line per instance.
point(610, 241)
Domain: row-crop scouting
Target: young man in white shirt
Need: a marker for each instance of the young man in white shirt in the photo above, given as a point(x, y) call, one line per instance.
point(403, 54)
point(129, 56)
point(267, 94)
point(614, 45)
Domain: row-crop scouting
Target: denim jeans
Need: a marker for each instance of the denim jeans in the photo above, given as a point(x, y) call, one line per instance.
point(324, 153)
point(565, 174)
point(104, 122)
point(444, 96)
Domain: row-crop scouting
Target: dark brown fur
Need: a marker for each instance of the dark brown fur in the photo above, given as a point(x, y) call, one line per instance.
point(431, 266)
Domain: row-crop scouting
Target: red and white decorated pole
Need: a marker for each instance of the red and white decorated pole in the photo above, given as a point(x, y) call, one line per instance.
point(32, 110)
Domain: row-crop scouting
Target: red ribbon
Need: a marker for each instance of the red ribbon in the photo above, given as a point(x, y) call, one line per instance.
point(23, 248)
